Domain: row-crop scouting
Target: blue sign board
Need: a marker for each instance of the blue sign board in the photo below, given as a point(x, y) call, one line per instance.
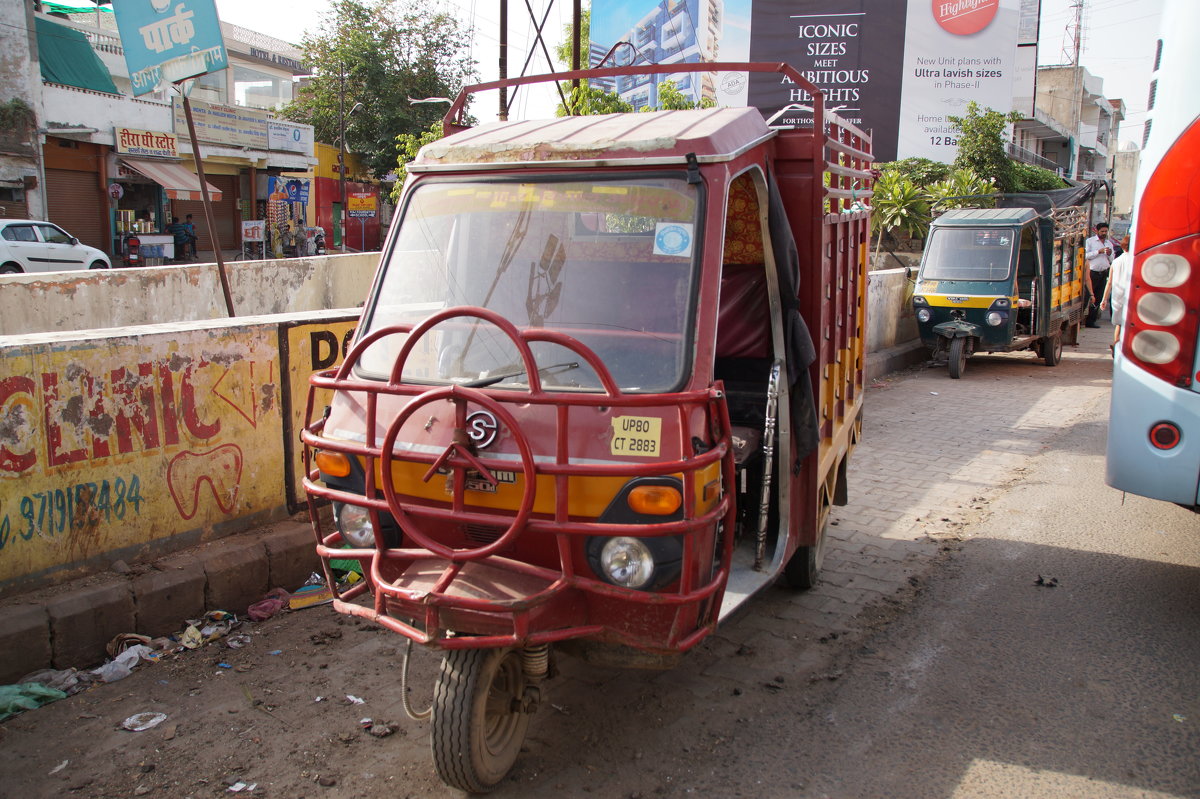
point(169, 40)
point(288, 190)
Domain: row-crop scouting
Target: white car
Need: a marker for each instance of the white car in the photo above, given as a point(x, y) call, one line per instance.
point(27, 245)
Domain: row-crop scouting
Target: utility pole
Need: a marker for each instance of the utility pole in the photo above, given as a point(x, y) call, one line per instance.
point(576, 34)
point(1077, 87)
point(341, 242)
point(503, 59)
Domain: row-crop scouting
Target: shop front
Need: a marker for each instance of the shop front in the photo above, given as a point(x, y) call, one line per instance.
point(149, 181)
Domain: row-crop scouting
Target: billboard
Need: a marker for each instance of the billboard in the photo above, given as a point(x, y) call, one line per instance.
point(897, 68)
point(168, 40)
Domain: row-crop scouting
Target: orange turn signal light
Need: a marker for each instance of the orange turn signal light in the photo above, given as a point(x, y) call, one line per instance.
point(655, 500)
point(334, 464)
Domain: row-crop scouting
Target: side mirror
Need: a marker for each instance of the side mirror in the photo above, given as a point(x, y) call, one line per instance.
point(73, 241)
point(910, 273)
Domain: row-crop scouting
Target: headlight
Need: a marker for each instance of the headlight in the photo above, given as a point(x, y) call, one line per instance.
point(994, 318)
point(354, 523)
point(627, 562)
point(924, 314)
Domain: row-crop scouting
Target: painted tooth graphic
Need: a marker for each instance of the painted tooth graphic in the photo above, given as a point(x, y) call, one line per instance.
point(221, 468)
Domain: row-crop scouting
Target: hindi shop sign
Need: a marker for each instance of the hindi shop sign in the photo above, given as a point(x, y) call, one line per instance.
point(290, 137)
point(169, 40)
point(361, 205)
point(146, 142)
point(225, 124)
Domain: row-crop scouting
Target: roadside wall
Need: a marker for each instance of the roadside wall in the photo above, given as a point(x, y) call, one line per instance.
point(890, 320)
point(64, 301)
point(131, 442)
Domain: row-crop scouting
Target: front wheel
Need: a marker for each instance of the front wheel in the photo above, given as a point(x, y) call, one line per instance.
point(958, 357)
point(478, 722)
point(1052, 348)
point(98, 265)
point(10, 269)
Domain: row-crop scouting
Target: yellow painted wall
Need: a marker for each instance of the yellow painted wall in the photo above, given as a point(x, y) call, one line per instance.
point(132, 443)
point(327, 158)
point(310, 348)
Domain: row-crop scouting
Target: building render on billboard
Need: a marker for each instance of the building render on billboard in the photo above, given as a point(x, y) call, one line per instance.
point(673, 32)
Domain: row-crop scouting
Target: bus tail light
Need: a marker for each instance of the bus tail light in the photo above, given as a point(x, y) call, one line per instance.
point(1162, 313)
point(1165, 435)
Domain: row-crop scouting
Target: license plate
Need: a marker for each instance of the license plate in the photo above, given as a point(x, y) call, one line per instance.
point(476, 481)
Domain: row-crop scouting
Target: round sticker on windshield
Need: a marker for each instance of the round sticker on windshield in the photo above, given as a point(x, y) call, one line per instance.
point(673, 238)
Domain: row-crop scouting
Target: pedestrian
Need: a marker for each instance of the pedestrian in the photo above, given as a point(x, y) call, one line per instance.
point(1117, 291)
point(1098, 251)
point(179, 231)
point(289, 241)
point(191, 231)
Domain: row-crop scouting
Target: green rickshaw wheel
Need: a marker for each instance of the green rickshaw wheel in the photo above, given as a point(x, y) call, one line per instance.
point(1052, 347)
point(958, 357)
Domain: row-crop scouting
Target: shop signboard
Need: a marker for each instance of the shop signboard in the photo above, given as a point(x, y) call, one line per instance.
point(131, 141)
point(290, 137)
point(235, 126)
point(169, 40)
point(897, 68)
point(288, 190)
point(361, 205)
point(253, 229)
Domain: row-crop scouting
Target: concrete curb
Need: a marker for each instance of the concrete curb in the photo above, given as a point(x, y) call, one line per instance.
point(893, 359)
point(69, 625)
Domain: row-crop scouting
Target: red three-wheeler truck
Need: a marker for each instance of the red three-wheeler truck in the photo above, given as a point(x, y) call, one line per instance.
point(605, 389)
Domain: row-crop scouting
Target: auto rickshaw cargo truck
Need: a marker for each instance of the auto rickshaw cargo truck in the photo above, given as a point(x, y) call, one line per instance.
point(605, 389)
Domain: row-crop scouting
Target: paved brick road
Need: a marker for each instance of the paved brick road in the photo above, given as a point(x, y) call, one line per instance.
point(933, 451)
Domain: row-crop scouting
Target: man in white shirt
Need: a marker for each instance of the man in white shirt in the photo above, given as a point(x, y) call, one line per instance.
point(1098, 251)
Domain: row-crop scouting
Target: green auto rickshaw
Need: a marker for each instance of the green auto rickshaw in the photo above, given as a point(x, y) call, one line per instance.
point(1004, 279)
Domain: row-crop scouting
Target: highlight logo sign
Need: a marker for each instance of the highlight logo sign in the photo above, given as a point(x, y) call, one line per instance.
point(964, 17)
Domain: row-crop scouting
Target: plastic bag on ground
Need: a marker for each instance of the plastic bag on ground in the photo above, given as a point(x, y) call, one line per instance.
point(18, 698)
point(275, 601)
point(69, 681)
point(122, 665)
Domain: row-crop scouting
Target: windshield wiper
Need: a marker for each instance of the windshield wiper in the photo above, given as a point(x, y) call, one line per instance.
point(557, 368)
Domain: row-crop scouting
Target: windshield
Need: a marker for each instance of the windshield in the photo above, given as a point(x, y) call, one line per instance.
point(968, 254)
point(607, 261)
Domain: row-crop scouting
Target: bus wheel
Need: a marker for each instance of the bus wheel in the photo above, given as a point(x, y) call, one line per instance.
point(1051, 349)
point(958, 357)
point(478, 722)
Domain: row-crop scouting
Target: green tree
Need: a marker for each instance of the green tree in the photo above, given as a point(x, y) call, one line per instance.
point(961, 189)
point(1034, 178)
point(898, 204)
point(981, 144)
point(409, 145)
point(380, 53)
point(921, 171)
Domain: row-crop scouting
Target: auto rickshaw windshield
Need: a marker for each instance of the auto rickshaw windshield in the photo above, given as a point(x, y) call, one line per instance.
point(954, 253)
point(610, 262)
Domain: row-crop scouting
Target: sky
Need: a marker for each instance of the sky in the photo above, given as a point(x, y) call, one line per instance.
point(1118, 42)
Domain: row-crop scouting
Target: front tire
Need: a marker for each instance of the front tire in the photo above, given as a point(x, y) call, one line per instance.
point(958, 357)
point(98, 265)
point(11, 269)
point(477, 728)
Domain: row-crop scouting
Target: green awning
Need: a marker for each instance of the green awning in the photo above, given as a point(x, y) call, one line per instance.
point(67, 58)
